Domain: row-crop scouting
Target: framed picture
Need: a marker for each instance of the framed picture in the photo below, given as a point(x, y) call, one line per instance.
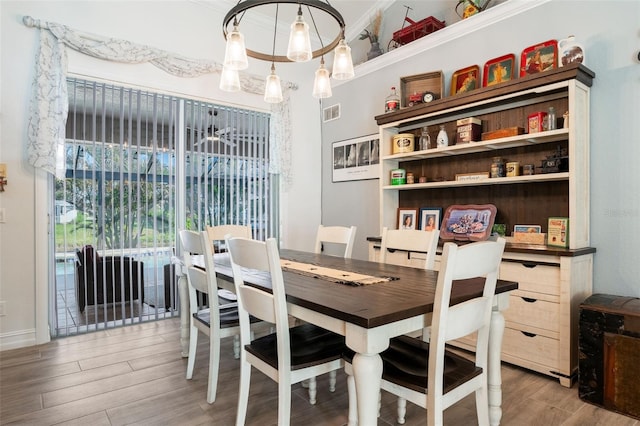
point(538, 58)
point(430, 218)
point(465, 80)
point(498, 70)
point(534, 229)
point(356, 159)
point(471, 222)
point(407, 218)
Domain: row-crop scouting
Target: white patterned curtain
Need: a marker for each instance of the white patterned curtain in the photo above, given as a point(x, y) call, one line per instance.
point(49, 102)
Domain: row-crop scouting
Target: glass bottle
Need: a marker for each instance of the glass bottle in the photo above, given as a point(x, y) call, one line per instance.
point(393, 101)
point(551, 119)
point(425, 139)
point(442, 140)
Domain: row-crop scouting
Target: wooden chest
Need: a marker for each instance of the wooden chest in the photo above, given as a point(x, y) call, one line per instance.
point(610, 353)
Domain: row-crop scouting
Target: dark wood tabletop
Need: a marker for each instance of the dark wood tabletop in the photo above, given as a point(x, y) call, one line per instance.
point(411, 293)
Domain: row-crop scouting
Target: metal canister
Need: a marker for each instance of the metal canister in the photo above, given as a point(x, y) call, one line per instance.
point(403, 142)
point(513, 169)
point(497, 168)
point(398, 177)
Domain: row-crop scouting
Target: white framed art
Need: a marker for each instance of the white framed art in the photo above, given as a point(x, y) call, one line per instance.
point(356, 159)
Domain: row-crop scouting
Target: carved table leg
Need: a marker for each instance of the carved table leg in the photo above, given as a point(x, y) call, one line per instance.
point(367, 369)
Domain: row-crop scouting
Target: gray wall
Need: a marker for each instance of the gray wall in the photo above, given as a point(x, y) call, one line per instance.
point(609, 32)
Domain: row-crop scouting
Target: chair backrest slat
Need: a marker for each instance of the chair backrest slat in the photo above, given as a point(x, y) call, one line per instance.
point(336, 235)
point(201, 273)
point(411, 241)
point(219, 232)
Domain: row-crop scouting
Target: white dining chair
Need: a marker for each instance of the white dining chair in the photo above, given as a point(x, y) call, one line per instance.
point(427, 374)
point(217, 321)
point(410, 241)
point(339, 235)
point(288, 356)
point(217, 233)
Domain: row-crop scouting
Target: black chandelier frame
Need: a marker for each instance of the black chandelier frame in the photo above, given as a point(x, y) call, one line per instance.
point(242, 6)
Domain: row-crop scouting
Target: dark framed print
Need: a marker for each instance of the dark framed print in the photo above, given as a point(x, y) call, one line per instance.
point(465, 80)
point(430, 218)
point(356, 159)
point(538, 58)
point(407, 218)
point(498, 70)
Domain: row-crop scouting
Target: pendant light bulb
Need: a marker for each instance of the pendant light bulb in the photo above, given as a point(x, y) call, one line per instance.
point(235, 55)
point(322, 83)
point(229, 80)
point(342, 62)
point(299, 49)
point(272, 88)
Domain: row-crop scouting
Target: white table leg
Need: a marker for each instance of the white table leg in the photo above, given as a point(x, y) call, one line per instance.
point(494, 377)
point(367, 372)
point(184, 314)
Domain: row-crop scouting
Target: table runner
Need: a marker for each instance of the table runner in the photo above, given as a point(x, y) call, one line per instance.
point(329, 274)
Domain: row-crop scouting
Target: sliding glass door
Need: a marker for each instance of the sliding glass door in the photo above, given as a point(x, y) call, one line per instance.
point(139, 167)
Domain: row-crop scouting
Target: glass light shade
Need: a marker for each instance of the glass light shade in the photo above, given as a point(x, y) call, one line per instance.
point(299, 49)
point(322, 83)
point(272, 88)
point(229, 80)
point(342, 62)
point(235, 54)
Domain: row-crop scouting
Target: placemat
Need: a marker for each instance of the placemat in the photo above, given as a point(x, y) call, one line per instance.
point(333, 275)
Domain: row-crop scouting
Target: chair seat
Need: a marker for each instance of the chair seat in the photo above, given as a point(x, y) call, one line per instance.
point(405, 362)
point(228, 317)
point(310, 345)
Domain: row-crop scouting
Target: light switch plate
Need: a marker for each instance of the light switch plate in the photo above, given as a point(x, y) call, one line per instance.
point(3, 169)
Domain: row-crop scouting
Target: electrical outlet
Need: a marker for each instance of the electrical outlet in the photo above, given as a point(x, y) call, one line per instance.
point(2, 310)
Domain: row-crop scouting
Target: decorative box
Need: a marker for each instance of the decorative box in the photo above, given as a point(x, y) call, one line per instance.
point(558, 232)
point(536, 122)
point(529, 238)
point(469, 130)
point(502, 133)
point(421, 88)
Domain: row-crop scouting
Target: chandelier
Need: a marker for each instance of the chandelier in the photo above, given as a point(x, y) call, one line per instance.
point(298, 50)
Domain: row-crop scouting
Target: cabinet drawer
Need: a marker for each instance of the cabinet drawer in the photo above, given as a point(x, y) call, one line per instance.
point(532, 347)
point(532, 276)
point(526, 309)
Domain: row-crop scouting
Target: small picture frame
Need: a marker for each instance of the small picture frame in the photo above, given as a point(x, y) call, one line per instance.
point(407, 218)
point(498, 70)
point(531, 229)
point(430, 218)
point(538, 58)
point(465, 80)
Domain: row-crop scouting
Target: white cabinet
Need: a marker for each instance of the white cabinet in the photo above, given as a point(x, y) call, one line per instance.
point(542, 320)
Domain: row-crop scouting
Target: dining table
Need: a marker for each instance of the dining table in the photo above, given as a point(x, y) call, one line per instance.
point(369, 303)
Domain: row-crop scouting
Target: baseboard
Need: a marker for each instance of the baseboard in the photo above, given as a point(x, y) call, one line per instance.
point(17, 339)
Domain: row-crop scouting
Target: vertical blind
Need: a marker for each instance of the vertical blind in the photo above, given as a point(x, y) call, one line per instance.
point(139, 167)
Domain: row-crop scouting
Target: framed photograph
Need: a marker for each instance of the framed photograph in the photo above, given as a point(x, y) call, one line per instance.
point(465, 80)
point(470, 222)
point(498, 70)
point(356, 159)
point(430, 218)
point(532, 229)
point(538, 58)
point(407, 218)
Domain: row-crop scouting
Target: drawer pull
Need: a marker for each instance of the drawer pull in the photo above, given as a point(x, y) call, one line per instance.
point(528, 334)
point(529, 264)
point(529, 300)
